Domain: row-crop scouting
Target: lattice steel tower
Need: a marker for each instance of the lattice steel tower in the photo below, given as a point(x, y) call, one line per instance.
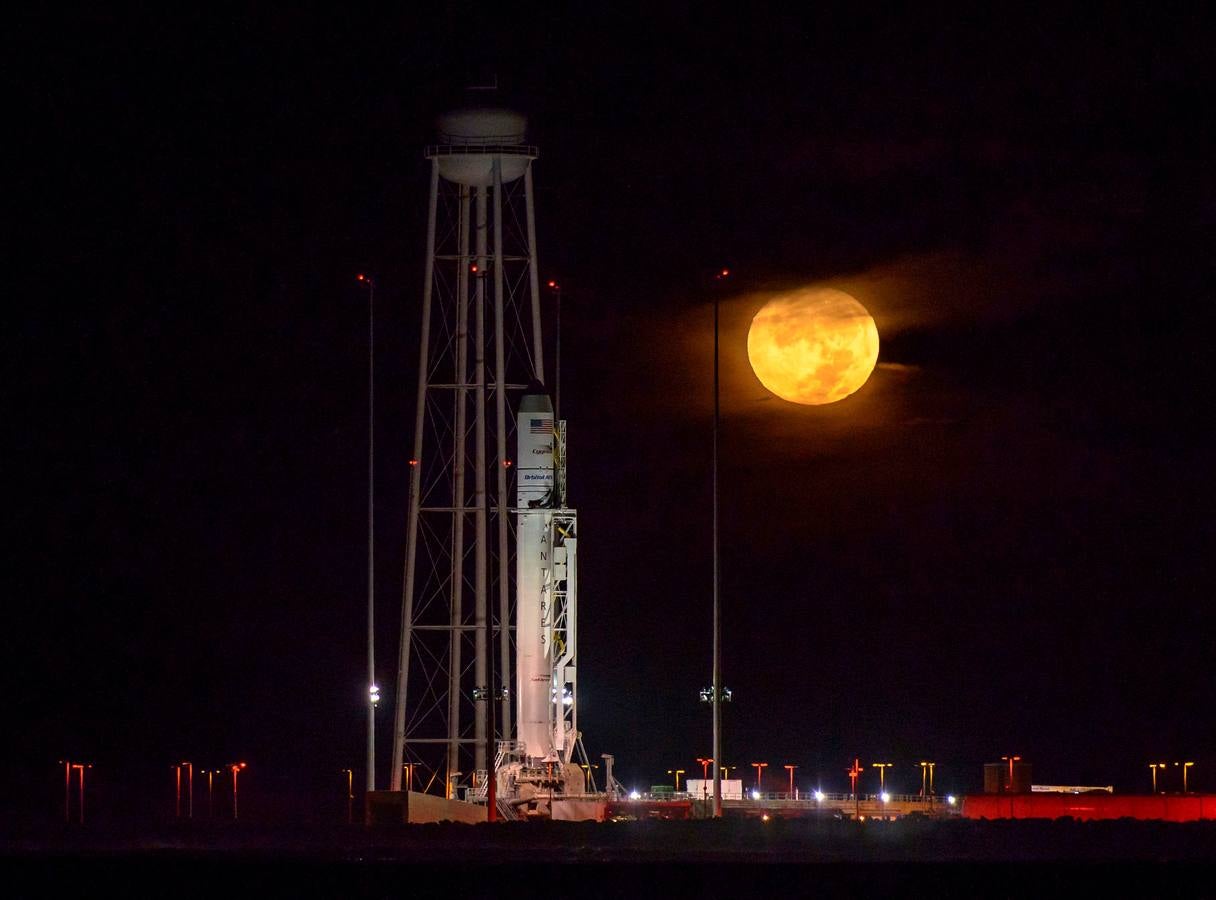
point(480, 350)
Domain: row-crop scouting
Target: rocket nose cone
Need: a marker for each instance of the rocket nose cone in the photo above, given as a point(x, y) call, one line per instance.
point(536, 400)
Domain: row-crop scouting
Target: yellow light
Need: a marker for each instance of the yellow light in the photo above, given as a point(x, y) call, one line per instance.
point(813, 346)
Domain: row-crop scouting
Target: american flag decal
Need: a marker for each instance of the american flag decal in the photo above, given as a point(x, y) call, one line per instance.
point(540, 426)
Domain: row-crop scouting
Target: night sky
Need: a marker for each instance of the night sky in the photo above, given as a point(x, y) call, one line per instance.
point(1001, 544)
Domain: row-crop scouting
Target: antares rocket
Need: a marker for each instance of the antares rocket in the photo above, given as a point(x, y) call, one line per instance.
point(546, 622)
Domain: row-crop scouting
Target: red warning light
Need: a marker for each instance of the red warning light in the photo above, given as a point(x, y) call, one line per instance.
point(413, 462)
point(473, 268)
point(552, 284)
point(361, 277)
point(506, 463)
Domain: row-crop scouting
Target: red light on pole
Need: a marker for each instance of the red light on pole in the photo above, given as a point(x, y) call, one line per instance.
point(1012, 760)
point(350, 795)
point(235, 768)
point(791, 769)
point(853, 773)
point(758, 767)
point(81, 768)
point(68, 768)
point(211, 773)
point(67, 790)
point(177, 803)
point(705, 762)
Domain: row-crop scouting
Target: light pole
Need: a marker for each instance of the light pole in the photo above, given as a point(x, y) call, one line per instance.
point(759, 767)
point(177, 808)
point(853, 772)
point(717, 710)
point(677, 773)
point(882, 771)
point(350, 795)
point(373, 691)
point(926, 768)
point(210, 773)
point(705, 762)
point(1012, 760)
point(790, 769)
point(80, 767)
point(235, 769)
point(1185, 766)
point(68, 768)
point(67, 790)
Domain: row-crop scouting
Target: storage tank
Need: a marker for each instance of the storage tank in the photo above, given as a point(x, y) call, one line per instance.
point(471, 139)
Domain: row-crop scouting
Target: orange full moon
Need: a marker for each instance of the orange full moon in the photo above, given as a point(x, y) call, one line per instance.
point(813, 346)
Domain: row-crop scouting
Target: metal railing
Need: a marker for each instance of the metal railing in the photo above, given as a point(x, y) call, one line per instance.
point(825, 797)
point(486, 149)
point(805, 800)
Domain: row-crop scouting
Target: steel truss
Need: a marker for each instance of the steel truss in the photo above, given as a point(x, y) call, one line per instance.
point(480, 340)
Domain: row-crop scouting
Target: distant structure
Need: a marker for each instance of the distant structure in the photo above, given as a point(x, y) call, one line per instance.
point(1088, 806)
point(1007, 777)
point(1008, 794)
point(486, 524)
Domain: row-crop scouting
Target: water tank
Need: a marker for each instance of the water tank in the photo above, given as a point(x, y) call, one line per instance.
point(469, 139)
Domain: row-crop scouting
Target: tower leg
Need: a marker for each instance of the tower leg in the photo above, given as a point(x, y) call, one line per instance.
point(481, 576)
point(500, 413)
point(456, 635)
point(411, 551)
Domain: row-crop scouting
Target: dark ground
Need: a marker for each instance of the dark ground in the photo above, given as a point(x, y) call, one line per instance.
point(743, 858)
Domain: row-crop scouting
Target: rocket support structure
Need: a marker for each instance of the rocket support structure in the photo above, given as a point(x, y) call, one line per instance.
point(480, 376)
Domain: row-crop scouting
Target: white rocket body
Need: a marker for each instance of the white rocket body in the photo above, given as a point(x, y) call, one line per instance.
point(534, 498)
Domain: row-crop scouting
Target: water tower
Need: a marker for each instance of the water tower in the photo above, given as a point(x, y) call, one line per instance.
point(483, 591)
